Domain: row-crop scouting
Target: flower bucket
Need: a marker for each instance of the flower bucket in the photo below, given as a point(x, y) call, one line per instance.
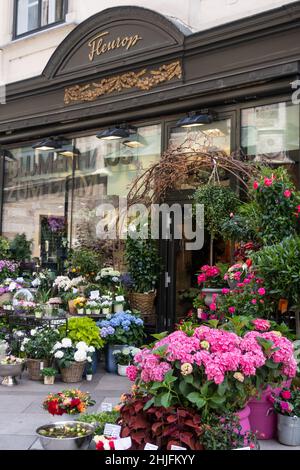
point(110, 362)
point(244, 419)
point(289, 430)
point(73, 373)
point(263, 419)
point(122, 370)
point(34, 367)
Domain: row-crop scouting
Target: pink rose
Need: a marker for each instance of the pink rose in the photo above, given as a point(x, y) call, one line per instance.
point(213, 307)
point(255, 185)
point(201, 278)
point(231, 310)
point(287, 193)
point(254, 301)
point(268, 182)
point(225, 291)
point(286, 394)
point(261, 291)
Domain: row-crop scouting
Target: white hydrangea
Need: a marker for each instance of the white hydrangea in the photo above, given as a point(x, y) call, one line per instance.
point(126, 351)
point(57, 345)
point(33, 332)
point(80, 355)
point(82, 346)
point(59, 354)
point(91, 349)
point(134, 351)
point(66, 343)
point(89, 359)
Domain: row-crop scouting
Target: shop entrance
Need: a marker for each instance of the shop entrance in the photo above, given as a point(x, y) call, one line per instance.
point(178, 285)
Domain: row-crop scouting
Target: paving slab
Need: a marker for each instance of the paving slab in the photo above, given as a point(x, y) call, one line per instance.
point(13, 442)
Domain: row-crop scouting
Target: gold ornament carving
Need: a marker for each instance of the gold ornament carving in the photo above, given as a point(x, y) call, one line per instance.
point(143, 80)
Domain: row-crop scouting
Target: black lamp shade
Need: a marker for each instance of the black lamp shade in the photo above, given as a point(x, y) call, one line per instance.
point(195, 120)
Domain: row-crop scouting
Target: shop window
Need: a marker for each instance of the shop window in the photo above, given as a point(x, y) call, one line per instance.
point(271, 133)
point(54, 199)
point(32, 15)
point(36, 199)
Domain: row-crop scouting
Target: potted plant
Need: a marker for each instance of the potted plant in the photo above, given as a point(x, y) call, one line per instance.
point(287, 406)
point(106, 303)
point(49, 374)
point(211, 278)
point(79, 304)
point(122, 329)
point(38, 312)
point(144, 268)
point(72, 358)
point(85, 330)
point(10, 368)
point(124, 357)
point(119, 303)
point(219, 202)
point(38, 350)
point(89, 372)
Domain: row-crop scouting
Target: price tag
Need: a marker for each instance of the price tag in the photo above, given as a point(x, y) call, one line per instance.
point(41, 366)
point(150, 447)
point(112, 430)
point(106, 407)
point(123, 444)
point(178, 448)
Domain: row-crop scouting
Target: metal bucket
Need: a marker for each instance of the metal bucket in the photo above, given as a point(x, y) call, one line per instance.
point(289, 430)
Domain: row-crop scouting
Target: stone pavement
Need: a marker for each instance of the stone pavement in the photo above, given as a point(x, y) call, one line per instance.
point(21, 411)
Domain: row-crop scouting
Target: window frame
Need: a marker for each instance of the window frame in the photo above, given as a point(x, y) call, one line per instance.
point(40, 28)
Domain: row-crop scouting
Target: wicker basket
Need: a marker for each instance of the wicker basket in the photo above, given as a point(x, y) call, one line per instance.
point(144, 303)
point(34, 368)
point(73, 373)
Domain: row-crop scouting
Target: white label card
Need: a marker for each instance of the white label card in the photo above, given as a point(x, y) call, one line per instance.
point(243, 448)
point(178, 448)
point(150, 447)
point(106, 407)
point(112, 430)
point(123, 443)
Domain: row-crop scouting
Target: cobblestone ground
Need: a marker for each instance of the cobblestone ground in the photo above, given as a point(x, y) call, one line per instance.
point(21, 412)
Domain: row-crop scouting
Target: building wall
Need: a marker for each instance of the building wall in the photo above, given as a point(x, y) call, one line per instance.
point(26, 57)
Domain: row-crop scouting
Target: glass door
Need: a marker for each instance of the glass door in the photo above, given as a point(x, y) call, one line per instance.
point(180, 280)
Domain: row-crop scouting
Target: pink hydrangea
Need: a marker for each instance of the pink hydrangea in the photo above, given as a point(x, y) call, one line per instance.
point(132, 372)
point(261, 325)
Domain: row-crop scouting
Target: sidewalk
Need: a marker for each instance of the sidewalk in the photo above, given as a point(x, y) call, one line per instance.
point(21, 411)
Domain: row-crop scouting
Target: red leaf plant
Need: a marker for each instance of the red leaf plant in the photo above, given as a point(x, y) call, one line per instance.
point(161, 426)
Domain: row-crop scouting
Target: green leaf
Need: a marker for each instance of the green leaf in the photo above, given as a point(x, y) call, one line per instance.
point(196, 399)
point(149, 404)
point(160, 351)
point(160, 336)
point(169, 378)
point(218, 400)
point(166, 400)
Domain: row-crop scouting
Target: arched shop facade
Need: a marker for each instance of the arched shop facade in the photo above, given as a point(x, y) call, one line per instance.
point(135, 67)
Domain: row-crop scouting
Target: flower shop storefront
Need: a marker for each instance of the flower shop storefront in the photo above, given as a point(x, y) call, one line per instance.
point(135, 108)
point(131, 68)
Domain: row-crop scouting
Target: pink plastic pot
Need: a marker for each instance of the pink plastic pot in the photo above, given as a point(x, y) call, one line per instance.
point(263, 420)
point(244, 419)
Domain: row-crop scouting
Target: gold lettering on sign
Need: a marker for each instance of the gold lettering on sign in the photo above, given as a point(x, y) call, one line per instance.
point(98, 45)
point(144, 80)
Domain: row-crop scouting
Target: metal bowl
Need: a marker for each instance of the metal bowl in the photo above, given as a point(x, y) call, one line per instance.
point(12, 370)
point(69, 443)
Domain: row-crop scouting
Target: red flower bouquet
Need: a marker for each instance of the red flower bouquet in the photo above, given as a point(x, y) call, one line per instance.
point(69, 402)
